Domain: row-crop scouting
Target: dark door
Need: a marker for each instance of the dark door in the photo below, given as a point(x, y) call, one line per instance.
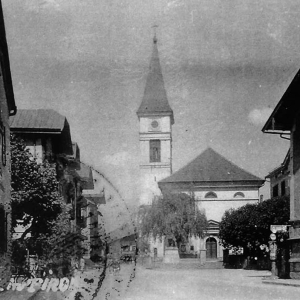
point(211, 248)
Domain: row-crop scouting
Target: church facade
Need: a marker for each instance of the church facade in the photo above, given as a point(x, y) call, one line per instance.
point(217, 184)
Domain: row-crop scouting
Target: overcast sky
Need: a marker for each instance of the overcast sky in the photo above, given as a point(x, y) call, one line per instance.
point(225, 64)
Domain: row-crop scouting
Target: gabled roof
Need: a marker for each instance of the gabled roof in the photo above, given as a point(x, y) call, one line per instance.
point(210, 166)
point(37, 120)
point(155, 101)
point(44, 121)
point(8, 86)
point(282, 118)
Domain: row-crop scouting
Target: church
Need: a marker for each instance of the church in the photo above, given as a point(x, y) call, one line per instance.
point(217, 183)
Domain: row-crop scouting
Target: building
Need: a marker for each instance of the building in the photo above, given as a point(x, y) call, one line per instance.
point(47, 136)
point(217, 185)
point(155, 135)
point(285, 122)
point(94, 242)
point(7, 108)
point(280, 179)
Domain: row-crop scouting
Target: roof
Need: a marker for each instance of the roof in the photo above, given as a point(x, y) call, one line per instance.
point(44, 121)
point(283, 116)
point(282, 168)
point(96, 198)
point(129, 240)
point(155, 101)
point(10, 99)
point(210, 166)
point(37, 120)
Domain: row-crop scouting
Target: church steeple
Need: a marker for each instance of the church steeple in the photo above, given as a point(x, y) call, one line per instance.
point(155, 134)
point(155, 101)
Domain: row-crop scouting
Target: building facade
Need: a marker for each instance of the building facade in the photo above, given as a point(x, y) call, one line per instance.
point(7, 109)
point(217, 185)
point(95, 242)
point(280, 179)
point(285, 122)
point(46, 134)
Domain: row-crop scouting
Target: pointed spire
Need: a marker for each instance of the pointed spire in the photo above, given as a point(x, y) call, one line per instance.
point(155, 101)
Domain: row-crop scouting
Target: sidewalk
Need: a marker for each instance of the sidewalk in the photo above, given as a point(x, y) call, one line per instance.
point(286, 282)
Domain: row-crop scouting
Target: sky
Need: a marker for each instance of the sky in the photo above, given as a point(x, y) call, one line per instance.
point(226, 64)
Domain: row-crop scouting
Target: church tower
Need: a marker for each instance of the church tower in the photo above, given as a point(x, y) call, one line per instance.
point(155, 134)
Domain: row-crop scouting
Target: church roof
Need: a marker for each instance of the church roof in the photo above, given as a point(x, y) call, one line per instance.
point(210, 166)
point(155, 101)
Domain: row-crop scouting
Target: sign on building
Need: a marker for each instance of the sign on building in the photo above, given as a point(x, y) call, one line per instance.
point(276, 228)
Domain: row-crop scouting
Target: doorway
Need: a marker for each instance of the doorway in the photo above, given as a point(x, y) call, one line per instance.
point(211, 248)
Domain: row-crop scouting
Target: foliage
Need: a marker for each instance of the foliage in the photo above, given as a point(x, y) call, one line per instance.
point(35, 198)
point(38, 206)
point(249, 225)
point(173, 215)
point(62, 246)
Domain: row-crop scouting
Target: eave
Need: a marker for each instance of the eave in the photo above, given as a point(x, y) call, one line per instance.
point(4, 57)
point(213, 184)
point(282, 118)
point(36, 130)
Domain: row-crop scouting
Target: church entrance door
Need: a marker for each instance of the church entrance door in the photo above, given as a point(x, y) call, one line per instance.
point(211, 248)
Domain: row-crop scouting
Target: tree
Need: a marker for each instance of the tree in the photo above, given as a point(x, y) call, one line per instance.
point(36, 202)
point(38, 206)
point(62, 246)
point(173, 215)
point(249, 225)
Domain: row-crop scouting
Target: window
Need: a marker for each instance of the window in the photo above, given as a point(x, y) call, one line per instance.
point(154, 150)
point(283, 188)
point(239, 195)
point(171, 243)
point(275, 190)
point(211, 195)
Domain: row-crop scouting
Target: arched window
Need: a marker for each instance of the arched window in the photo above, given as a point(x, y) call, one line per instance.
point(239, 195)
point(211, 195)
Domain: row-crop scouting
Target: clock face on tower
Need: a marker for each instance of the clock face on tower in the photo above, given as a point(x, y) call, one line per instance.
point(154, 125)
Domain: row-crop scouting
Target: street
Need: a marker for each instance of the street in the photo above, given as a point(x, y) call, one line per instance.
point(164, 282)
point(172, 283)
point(87, 285)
